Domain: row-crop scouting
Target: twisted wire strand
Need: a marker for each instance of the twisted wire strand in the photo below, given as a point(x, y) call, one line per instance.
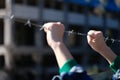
point(29, 23)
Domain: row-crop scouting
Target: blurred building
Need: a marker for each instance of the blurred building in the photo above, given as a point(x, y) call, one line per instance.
point(24, 50)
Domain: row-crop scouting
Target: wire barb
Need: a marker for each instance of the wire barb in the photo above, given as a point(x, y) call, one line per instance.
point(28, 23)
point(42, 27)
point(106, 39)
point(12, 16)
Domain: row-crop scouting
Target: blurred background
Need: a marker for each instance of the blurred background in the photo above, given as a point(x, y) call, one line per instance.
point(24, 53)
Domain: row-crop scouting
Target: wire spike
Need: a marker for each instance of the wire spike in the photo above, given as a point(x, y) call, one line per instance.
point(106, 39)
point(112, 40)
point(42, 27)
point(70, 32)
point(28, 23)
point(12, 16)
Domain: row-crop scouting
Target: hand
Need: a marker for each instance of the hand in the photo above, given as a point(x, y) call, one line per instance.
point(96, 40)
point(54, 32)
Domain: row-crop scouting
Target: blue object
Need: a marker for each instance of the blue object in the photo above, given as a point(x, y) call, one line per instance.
point(80, 2)
point(116, 76)
point(76, 73)
point(110, 4)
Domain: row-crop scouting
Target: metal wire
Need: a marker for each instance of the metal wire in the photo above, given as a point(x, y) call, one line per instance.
point(30, 24)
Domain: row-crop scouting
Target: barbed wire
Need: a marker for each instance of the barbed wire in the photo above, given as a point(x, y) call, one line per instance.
point(30, 24)
point(83, 34)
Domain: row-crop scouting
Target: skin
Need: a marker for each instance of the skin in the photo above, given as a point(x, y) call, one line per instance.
point(96, 41)
point(54, 34)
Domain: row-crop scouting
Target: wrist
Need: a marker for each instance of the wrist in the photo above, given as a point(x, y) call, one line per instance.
point(108, 54)
point(103, 49)
point(55, 45)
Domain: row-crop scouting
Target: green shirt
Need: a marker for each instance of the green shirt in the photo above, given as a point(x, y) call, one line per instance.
point(68, 65)
point(116, 64)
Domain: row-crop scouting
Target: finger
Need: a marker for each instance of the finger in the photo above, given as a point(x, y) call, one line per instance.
point(91, 34)
point(45, 29)
point(89, 39)
point(59, 23)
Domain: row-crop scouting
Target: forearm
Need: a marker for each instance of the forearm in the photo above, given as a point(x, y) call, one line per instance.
point(97, 43)
point(111, 57)
point(108, 54)
point(62, 53)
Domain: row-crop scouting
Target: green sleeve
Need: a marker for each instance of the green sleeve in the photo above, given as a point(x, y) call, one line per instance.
point(116, 64)
point(68, 65)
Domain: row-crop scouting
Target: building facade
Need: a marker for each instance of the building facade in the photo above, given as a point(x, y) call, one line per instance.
point(24, 50)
